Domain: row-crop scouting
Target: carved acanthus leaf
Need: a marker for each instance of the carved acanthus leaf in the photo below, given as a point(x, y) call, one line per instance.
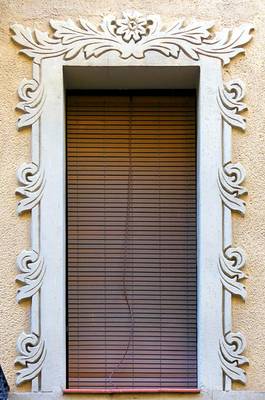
point(232, 346)
point(32, 355)
point(229, 100)
point(131, 36)
point(230, 178)
point(33, 269)
point(230, 264)
point(32, 95)
point(32, 178)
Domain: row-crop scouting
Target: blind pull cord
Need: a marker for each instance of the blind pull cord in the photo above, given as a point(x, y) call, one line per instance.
point(125, 259)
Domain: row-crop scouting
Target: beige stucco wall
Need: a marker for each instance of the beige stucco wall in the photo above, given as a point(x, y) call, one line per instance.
point(249, 148)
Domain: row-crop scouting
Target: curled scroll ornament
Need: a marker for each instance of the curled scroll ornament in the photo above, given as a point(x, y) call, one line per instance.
point(229, 99)
point(32, 355)
point(232, 345)
point(230, 264)
point(230, 178)
point(32, 180)
point(32, 96)
point(32, 266)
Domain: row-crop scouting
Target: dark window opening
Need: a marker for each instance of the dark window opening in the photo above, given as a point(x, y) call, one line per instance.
point(131, 240)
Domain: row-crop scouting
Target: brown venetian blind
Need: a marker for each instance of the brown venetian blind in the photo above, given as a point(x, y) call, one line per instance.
point(131, 241)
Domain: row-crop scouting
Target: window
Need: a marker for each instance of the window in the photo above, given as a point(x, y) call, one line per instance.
point(79, 56)
point(131, 240)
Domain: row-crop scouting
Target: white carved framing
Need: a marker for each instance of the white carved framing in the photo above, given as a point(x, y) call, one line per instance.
point(230, 177)
point(133, 40)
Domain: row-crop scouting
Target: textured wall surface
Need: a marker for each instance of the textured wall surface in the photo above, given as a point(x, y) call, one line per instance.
point(249, 232)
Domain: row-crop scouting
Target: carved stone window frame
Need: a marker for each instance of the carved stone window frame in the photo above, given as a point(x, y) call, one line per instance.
point(131, 41)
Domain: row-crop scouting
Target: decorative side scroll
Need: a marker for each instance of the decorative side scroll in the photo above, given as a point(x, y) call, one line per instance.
point(32, 179)
point(32, 95)
point(232, 260)
point(230, 264)
point(32, 266)
point(231, 348)
point(230, 178)
point(32, 355)
point(229, 100)
point(132, 36)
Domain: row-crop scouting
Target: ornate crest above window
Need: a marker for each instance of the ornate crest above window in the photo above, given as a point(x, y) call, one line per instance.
point(132, 36)
point(131, 40)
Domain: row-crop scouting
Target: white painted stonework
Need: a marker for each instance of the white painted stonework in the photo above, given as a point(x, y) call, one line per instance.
point(134, 45)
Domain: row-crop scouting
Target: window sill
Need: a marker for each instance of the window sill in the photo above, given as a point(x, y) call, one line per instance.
point(127, 390)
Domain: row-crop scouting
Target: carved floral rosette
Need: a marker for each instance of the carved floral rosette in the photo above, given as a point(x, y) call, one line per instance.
point(131, 36)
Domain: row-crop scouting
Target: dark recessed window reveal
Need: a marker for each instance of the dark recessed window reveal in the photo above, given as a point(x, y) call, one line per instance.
point(131, 240)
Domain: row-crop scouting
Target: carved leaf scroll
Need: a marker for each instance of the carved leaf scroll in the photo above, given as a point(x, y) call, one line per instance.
point(230, 264)
point(229, 100)
point(33, 269)
point(31, 177)
point(232, 346)
point(32, 355)
point(230, 178)
point(132, 36)
point(33, 97)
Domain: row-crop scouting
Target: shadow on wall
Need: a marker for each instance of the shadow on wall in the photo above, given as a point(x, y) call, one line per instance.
point(4, 388)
